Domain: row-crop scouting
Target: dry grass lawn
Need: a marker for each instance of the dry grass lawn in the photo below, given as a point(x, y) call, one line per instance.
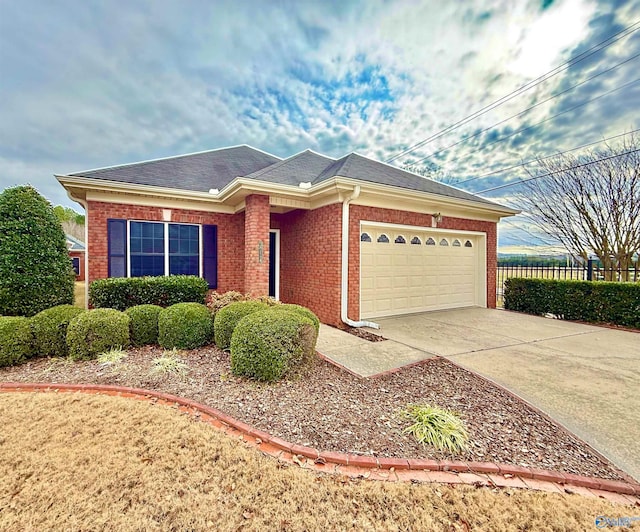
point(78, 294)
point(83, 462)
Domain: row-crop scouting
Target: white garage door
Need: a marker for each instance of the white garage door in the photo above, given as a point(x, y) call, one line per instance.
point(405, 270)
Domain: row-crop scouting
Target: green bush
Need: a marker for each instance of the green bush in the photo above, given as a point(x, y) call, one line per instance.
point(303, 311)
point(35, 268)
point(228, 317)
point(143, 329)
point(50, 330)
point(270, 344)
point(16, 340)
point(185, 326)
point(96, 331)
point(590, 301)
point(124, 292)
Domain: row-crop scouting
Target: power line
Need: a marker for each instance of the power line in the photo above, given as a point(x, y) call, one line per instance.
point(501, 170)
point(528, 232)
point(501, 139)
point(557, 171)
point(544, 77)
point(552, 97)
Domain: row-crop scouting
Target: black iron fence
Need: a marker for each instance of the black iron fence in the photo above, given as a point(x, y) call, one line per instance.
point(588, 272)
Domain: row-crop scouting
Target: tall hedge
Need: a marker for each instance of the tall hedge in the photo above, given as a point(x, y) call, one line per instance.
point(35, 269)
point(591, 301)
point(122, 293)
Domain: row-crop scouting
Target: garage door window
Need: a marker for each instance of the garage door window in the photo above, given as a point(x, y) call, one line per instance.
point(430, 242)
point(468, 244)
point(400, 240)
point(444, 242)
point(383, 239)
point(416, 240)
point(456, 243)
point(364, 237)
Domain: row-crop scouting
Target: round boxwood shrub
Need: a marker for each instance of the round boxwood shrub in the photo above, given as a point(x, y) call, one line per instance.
point(267, 345)
point(35, 269)
point(303, 311)
point(143, 329)
point(16, 340)
point(96, 331)
point(228, 317)
point(185, 326)
point(50, 330)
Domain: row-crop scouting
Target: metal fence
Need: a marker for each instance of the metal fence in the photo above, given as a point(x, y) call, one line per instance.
point(588, 272)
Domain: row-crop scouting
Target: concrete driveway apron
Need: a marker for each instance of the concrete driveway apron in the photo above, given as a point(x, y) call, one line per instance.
point(586, 377)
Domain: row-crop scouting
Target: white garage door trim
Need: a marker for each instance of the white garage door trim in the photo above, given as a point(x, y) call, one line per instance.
point(478, 297)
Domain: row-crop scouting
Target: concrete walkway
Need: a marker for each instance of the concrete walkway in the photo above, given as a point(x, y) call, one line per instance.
point(586, 377)
point(363, 357)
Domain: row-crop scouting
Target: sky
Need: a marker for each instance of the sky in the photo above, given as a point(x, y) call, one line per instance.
point(91, 84)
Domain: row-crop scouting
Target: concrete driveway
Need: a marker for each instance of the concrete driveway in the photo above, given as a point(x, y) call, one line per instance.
point(586, 377)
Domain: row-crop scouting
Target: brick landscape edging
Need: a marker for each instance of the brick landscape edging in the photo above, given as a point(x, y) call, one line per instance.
point(355, 465)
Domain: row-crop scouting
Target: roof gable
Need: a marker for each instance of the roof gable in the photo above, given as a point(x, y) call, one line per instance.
point(300, 168)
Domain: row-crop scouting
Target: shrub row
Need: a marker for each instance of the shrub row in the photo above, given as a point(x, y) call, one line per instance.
point(590, 301)
point(122, 293)
point(266, 342)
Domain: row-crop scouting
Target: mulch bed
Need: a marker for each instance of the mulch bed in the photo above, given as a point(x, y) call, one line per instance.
point(363, 333)
point(332, 410)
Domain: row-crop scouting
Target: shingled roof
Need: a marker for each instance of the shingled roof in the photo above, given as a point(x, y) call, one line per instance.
point(217, 168)
point(198, 171)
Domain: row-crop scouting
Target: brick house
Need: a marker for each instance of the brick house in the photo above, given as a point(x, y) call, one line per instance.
point(249, 221)
point(76, 254)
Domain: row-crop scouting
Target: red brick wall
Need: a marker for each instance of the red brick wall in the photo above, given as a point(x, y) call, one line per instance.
point(79, 255)
point(310, 259)
point(374, 214)
point(256, 236)
point(230, 237)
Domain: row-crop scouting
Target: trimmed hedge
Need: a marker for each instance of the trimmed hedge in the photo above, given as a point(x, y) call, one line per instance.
point(270, 344)
point(185, 326)
point(16, 340)
point(50, 330)
point(96, 331)
point(228, 317)
point(143, 329)
point(303, 311)
point(121, 293)
point(590, 301)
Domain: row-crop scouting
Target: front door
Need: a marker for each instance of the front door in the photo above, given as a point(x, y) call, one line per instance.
point(274, 263)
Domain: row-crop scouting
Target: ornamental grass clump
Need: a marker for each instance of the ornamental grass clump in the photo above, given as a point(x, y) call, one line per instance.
point(437, 427)
point(170, 362)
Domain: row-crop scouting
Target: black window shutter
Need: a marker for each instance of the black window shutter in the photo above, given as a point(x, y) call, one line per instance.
point(210, 255)
point(117, 247)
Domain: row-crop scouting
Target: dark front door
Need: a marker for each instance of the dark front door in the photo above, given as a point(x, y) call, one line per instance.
point(273, 264)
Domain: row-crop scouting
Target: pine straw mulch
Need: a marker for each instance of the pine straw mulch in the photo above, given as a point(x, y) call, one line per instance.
point(90, 462)
point(332, 410)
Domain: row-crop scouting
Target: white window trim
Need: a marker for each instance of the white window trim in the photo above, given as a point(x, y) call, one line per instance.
point(166, 244)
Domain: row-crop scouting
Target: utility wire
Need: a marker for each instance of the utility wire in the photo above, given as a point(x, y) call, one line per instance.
point(501, 139)
point(553, 96)
point(544, 77)
point(525, 163)
point(556, 172)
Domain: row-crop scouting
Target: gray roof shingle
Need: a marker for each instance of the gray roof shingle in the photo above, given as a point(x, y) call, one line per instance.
point(217, 168)
point(199, 171)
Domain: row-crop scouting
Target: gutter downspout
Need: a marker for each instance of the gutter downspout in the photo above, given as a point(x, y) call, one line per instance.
point(344, 295)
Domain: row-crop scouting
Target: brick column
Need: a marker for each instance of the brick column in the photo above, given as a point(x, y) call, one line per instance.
point(256, 245)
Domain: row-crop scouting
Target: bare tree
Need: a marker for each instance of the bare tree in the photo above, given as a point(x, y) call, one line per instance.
point(590, 203)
